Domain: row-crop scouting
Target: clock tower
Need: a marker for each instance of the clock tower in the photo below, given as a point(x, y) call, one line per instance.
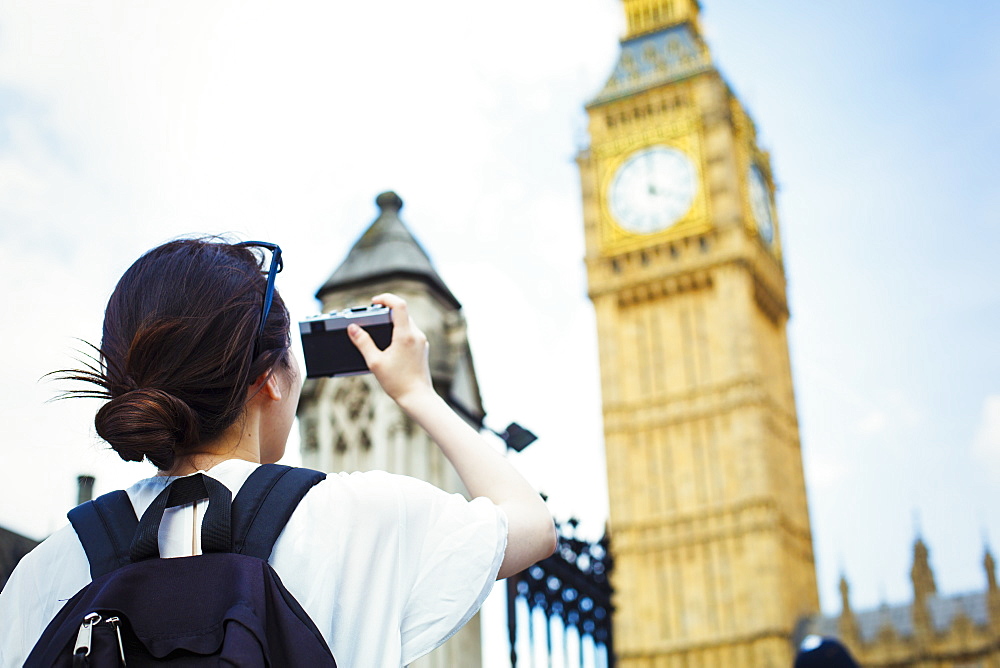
point(708, 514)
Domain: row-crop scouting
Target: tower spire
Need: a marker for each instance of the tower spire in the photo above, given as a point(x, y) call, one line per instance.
point(848, 626)
point(662, 45)
point(992, 590)
point(923, 588)
point(647, 16)
point(387, 249)
point(921, 574)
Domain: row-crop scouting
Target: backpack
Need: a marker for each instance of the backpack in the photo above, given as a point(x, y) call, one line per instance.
point(225, 607)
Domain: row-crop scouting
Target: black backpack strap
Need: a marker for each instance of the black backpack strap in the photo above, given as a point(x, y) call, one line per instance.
point(215, 527)
point(265, 503)
point(105, 527)
point(108, 525)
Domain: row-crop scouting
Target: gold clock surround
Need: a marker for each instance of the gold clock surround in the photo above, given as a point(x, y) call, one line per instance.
point(610, 157)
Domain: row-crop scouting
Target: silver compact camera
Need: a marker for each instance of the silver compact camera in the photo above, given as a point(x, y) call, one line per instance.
point(327, 348)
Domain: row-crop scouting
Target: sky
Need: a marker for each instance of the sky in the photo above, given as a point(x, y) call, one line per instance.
point(125, 124)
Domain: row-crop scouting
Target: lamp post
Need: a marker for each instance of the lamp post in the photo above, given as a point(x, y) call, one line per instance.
point(515, 437)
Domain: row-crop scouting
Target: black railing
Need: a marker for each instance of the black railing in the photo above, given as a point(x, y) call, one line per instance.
point(564, 602)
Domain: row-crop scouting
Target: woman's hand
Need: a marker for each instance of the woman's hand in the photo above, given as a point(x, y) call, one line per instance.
point(401, 369)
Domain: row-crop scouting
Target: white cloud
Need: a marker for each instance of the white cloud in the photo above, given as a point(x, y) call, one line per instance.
point(826, 468)
point(890, 415)
point(873, 423)
point(123, 123)
point(904, 409)
point(986, 442)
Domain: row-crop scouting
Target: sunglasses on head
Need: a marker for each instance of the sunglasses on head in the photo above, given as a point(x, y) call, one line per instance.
point(272, 270)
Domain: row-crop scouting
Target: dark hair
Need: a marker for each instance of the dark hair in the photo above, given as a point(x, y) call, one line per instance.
point(178, 349)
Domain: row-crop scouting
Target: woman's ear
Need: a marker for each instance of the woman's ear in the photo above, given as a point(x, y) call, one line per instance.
point(267, 385)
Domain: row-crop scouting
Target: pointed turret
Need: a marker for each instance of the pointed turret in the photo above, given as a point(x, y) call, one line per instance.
point(386, 250)
point(848, 626)
point(992, 590)
point(921, 574)
point(924, 588)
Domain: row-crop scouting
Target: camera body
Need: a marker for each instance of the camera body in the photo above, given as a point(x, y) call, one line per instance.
point(329, 351)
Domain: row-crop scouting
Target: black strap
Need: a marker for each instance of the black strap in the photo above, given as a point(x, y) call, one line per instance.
point(265, 503)
point(105, 527)
point(215, 528)
point(108, 528)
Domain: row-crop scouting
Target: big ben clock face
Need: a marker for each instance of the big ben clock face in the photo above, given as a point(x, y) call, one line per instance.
point(652, 189)
point(760, 205)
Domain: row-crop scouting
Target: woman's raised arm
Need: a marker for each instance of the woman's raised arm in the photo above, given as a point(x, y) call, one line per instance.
point(403, 372)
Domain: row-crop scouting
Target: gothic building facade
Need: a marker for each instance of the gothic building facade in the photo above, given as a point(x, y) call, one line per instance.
point(932, 631)
point(350, 424)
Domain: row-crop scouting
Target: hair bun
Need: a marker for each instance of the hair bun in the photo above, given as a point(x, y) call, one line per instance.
point(147, 423)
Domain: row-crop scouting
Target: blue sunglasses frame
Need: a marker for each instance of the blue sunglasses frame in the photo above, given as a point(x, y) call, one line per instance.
point(276, 266)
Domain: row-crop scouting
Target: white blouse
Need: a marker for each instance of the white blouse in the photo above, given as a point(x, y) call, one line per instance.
point(387, 566)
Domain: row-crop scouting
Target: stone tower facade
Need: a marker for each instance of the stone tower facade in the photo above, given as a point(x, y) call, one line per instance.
point(350, 424)
point(709, 520)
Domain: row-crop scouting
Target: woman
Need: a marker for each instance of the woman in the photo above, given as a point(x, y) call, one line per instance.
point(196, 365)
